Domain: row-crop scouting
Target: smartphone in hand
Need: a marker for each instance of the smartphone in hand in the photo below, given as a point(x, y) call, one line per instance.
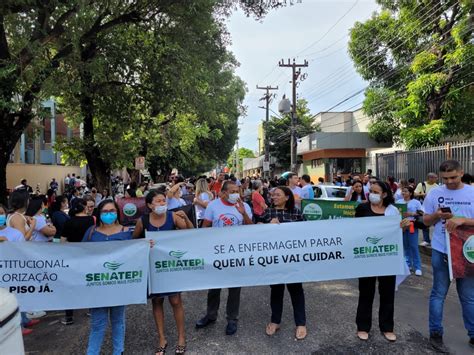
point(445, 209)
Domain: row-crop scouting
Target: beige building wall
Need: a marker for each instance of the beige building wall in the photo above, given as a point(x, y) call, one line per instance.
point(360, 121)
point(39, 173)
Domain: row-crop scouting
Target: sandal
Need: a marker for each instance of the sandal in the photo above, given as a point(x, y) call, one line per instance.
point(364, 336)
point(161, 350)
point(390, 336)
point(301, 332)
point(272, 328)
point(180, 349)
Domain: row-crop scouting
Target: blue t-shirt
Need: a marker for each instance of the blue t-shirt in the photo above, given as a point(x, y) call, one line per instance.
point(96, 236)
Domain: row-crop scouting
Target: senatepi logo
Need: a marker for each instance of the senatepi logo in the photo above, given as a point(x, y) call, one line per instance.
point(313, 212)
point(130, 209)
point(112, 265)
point(373, 240)
point(468, 249)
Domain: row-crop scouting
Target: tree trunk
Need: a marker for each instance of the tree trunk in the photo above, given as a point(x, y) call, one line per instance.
point(9, 135)
point(134, 175)
point(3, 181)
point(99, 170)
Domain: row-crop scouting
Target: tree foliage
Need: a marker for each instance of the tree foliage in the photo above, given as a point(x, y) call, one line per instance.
point(239, 154)
point(417, 57)
point(96, 58)
point(279, 128)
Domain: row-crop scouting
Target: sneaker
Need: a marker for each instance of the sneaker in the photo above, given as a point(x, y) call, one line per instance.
point(425, 244)
point(436, 342)
point(33, 315)
point(26, 331)
point(32, 322)
point(67, 321)
point(418, 273)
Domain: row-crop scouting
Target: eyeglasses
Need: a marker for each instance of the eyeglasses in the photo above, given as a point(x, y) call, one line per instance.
point(108, 211)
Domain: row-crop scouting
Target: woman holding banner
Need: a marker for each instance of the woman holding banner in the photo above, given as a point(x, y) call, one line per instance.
point(160, 219)
point(108, 229)
point(380, 204)
point(284, 211)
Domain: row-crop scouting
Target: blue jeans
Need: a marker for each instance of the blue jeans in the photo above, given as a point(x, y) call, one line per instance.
point(410, 246)
point(441, 282)
point(99, 322)
point(426, 235)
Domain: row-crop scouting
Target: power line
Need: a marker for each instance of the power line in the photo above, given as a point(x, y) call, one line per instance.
point(390, 73)
point(329, 30)
point(341, 74)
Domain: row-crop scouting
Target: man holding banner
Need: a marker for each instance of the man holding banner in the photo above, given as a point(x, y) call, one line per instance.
point(448, 207)
point(226, 211)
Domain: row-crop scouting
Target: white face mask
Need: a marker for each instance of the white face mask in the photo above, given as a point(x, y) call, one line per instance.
point(161, 209)
point(375, 198)
point(233, 198)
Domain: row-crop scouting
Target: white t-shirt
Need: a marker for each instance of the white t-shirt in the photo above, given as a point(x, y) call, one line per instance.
point(203, 196)
point(37, 236)
point(412, 206)
point(12, 234)
point(461, 203)
point(391, 210)
point(222, 214)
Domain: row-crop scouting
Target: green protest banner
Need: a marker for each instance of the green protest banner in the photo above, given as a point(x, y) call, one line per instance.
point(315, 210)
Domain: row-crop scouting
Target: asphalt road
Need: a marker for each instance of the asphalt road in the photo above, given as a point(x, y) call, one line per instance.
point(330, 308)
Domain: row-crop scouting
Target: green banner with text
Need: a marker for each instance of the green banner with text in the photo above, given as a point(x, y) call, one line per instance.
point(315, 210)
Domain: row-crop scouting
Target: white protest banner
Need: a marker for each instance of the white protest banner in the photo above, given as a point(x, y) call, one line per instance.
point(50, 276)
point(275, 253)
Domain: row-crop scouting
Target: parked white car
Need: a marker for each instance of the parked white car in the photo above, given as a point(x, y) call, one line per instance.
point(330, 192)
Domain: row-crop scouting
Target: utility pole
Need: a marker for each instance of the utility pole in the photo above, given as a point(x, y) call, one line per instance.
point(295, 76)
point(237, 163)
point(267, 98)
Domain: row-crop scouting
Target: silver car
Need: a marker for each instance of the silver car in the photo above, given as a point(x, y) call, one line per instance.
point(330, 192)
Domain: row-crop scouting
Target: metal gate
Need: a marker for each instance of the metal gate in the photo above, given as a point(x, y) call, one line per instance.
point(419, 162)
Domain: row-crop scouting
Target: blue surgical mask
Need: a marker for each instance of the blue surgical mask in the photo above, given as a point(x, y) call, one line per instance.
point(3, 219)
point(108, 217)
point(161, 209)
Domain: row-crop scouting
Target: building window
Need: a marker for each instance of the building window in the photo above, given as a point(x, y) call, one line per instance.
point(316, 163)
point(348, 165)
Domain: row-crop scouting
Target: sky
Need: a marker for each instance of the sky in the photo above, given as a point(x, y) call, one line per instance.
point(313, 30)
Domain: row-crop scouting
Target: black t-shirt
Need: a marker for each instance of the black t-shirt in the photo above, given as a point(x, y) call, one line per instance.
point(364, 210)
point(76, 227)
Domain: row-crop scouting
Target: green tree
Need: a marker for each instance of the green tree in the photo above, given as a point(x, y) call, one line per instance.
point(278, 131)
point(240, 154)
point(39, 38)
point(417, 57)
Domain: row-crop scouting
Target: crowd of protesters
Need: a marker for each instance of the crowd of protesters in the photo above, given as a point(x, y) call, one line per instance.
point(84, 214)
